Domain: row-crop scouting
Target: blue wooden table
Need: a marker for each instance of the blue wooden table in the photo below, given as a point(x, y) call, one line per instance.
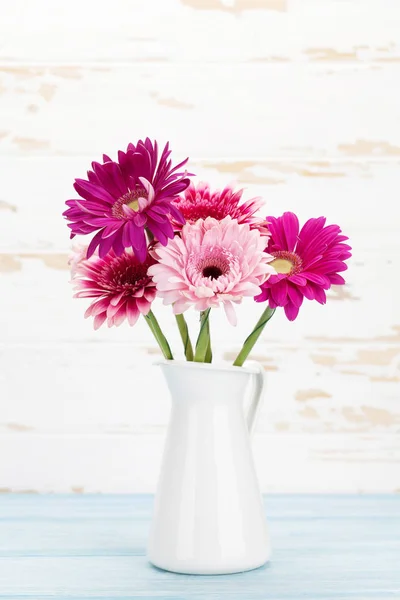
point(93, 547)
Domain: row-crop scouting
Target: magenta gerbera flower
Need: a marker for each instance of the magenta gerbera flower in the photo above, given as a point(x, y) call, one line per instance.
point(307, 262)
point(120, 285)
point(119, 200)
point(211, 263)
point(199, 203)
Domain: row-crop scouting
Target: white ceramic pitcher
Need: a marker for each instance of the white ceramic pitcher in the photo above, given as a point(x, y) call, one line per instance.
point(208, 515)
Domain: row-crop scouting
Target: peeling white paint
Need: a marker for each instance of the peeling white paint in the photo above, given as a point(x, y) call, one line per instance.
point(309, 121)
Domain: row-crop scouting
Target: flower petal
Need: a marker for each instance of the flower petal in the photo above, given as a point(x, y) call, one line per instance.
point(99, 320)
point(290, 230)
point(230, 313)
point(295, 295)
point(279, 292)
point(291, 311)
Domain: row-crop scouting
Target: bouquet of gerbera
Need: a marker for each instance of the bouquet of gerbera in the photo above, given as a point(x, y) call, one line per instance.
point(156, 234)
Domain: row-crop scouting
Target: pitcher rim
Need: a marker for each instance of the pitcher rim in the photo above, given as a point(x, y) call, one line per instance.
point(253, 367)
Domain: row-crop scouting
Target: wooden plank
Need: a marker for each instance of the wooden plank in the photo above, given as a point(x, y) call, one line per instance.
point(213, 111)
point(272, 31)
point(31, 222)
point(347, 389)
point(94, 547)
point(119, 463)
point(331, 426)
point(37, 307)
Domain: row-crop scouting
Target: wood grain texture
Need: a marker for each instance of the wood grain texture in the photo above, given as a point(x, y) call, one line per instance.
point(293, 99)
point(347, 191)
point(311, 402)
point(295, 110)
point(360, 32)
point(87, 547)
point(52, 315)
point(322, 428)
point(129, 461)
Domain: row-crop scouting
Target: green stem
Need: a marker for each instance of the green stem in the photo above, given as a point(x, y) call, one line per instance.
point(204, 337)
point(253, 337)
point(158, 334)
point(208, 357)
point(150, 236)
point(184, 331)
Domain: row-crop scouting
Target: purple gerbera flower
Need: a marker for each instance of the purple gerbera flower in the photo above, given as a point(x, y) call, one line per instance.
point(119, 200)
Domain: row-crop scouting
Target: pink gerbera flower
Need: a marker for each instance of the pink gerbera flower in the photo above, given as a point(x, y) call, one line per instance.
point(119, 200)
point(212, 262)
point(307, 262)
point(199, 203)
point(120, 285)
point(78, 254)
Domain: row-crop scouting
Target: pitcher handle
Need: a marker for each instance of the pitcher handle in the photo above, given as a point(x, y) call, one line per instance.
point(256, 396)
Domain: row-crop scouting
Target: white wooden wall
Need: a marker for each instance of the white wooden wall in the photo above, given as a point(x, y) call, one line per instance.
point(298, 100)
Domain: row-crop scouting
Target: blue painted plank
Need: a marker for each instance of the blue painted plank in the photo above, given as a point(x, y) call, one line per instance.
point(88, 547)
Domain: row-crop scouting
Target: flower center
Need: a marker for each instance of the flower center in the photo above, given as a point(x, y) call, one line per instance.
point(129, 199)
point(124, 274)
point(134, 205)
point(286, 263)
point(212, 271)
point(209, 264)
point(281, 265)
